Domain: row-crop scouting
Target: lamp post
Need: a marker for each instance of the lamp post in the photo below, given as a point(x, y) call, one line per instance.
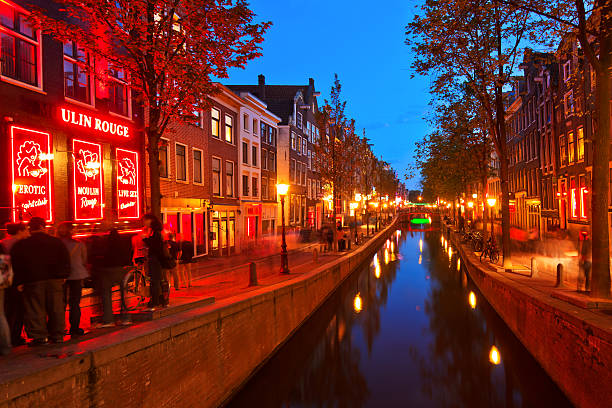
point(282, 191)
point(491, 202)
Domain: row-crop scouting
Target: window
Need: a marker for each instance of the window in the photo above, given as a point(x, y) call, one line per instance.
point(245, 122)
point(118, 92)
point(262, 132)
point(264, 188)
point(19, 47)
point(304, 144)
point(271, 163)
point(245, 153)
point(229, 137)
point(254, 155)
point(215, 119)
point(292, 141)
point(216, 176)
point(298, 174)
point(568, 102)
point(580, 144)
point(292, 171)
point(77, 84)
point(271, 136)
point(563, 148)
point(298, 120)
point(570, 147)
point(255, 184)
point(255, 126)
point(299, 145)
point(163, 159)
point(583, 197)
point(573, 198)
point(229, 179)
point(264, 160)
point(181, 169)
point(245, 185)
point(272, 187)
point(567, 70)
point(197, 166)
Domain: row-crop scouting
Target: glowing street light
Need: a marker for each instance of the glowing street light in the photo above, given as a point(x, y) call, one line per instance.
point(474, 196)
point(491, 202)
point(470, 204)
point(358, 197)
point(282, 190)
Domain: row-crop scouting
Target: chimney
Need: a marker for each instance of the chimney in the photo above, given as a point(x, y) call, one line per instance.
point(261, 82)
point(311, 83)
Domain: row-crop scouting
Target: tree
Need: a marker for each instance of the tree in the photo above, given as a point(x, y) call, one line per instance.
point(332, 123)
point(171, 50)
point(591, 25)
point(477, 43)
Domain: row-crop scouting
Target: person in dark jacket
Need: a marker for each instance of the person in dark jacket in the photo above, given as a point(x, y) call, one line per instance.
point(155, 245)
point(13, 301)
point(41, 264)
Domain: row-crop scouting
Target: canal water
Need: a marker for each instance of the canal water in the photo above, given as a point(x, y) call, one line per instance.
point(409, 329)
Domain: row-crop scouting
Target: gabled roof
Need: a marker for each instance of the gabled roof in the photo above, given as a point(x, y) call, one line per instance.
point(279, 98)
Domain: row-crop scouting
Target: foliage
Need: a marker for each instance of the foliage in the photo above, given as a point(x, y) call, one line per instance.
point(170, 49)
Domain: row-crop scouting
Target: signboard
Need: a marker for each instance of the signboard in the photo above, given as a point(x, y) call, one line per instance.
point(31, 174)
point(94, 123)
point(128, 192)
point(512, 206)
point(87, 180)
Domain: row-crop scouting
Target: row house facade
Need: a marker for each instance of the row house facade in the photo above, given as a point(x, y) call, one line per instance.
point(549, 117)
point(257, 169)
point(295, 105)
point(199, 177)
point(71, 145)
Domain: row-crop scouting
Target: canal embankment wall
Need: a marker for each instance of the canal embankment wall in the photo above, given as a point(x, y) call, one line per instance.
point(197, 358)
point(573, 345)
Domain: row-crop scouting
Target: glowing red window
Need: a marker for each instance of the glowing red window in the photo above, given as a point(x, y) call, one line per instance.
point(31, 174)
point(87, 180)
point(128, 191)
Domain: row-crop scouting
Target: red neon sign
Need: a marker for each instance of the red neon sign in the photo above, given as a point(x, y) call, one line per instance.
point(128, 192)
point(87, 180)
point(94, 123)
point(31, 174)
point(573, 202)
point(583, 192)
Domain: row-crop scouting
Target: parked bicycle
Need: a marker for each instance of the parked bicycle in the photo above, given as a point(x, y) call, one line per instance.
point(491, 251)
point(135, 282)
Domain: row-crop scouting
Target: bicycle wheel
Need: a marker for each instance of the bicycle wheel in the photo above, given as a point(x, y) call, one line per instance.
point(494, 256)
point(128, 286)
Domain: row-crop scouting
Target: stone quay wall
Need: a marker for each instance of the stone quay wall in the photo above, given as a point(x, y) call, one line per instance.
point(573, 345)
point(197, 358)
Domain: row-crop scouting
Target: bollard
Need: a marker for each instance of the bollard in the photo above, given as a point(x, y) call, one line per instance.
point(252, 274)
point(315, 256)
point(560, 276)
point(534, 267)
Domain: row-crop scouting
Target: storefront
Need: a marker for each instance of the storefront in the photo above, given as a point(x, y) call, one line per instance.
point(268, 222)
point(223, 230)
point(186, 219)
point(75, 165)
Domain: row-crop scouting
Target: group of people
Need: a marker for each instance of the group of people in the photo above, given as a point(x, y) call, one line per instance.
point(42, 275)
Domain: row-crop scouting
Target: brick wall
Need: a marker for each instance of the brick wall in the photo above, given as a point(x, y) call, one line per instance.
point(197, 358)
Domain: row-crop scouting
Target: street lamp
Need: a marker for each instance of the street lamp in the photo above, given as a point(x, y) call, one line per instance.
point(491, 202)
point(282, 191)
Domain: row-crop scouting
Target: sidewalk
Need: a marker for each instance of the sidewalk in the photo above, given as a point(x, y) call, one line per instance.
point(213, 280)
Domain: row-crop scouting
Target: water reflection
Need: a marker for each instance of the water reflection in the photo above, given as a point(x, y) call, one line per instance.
point(402, 334)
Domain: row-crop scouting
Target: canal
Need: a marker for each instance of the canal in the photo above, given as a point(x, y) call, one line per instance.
point(408, 329)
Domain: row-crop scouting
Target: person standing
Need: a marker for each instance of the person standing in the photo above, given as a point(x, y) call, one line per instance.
point(6, 280)
point(73, 288)
point(173, 250)
point(13, 298)
point(155, 246)
point(41, 263)
point(585, 259)
point(185, 261)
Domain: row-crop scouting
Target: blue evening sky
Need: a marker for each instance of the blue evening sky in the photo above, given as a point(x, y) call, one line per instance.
point(362, 41)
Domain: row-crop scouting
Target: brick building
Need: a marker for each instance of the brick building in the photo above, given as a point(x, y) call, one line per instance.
point(297, 131)
point(71, 146)
point(257, 169)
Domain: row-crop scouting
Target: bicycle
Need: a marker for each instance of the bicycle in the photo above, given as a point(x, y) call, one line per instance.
point(477, 242)
point(491, 251)
point(135, 282)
